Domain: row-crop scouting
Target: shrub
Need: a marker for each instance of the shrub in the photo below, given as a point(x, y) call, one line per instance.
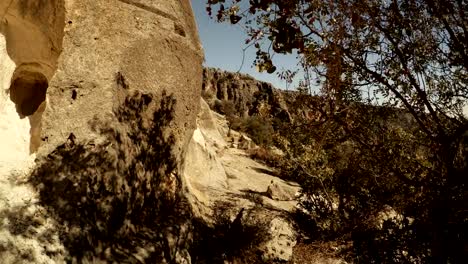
point(228, 108)
point(227, 240)
point(395, 242)
point(316, 217)
point(225, 107)
point(266, 156)
point(207, 95)
point(260, 130)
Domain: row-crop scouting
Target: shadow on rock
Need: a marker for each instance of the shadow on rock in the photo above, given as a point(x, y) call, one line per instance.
point(234, 241)
point(119, 201)
point(26, 237)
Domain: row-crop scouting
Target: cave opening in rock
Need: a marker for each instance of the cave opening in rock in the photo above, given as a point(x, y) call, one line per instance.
point(26, 22)
point(28, 91)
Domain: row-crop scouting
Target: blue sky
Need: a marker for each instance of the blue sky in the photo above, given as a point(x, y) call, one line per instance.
point(223, 44)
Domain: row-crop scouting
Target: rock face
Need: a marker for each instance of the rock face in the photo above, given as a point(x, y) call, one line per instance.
point(67, 67)
point(146, 41)
point(221, 178)
point(250, 97)
point(83, 49)
point(203, 170)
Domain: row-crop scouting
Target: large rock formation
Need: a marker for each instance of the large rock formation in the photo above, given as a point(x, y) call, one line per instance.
point(249, 96)
point(74, 74)
point(73, 52)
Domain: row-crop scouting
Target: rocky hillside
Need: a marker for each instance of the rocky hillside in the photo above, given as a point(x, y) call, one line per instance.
point(221, 178)
point(107, 152)
point(250, 96)
point(105, 156)
point(253, 97)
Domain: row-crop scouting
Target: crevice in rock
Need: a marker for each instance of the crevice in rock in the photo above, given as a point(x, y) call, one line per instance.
point(179, 29)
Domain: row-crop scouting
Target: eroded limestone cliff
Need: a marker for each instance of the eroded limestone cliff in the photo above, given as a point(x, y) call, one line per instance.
point(96, 106)
point(74, 51)
point(249, 96)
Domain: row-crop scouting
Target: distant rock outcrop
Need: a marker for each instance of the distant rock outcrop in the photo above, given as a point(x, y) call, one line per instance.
point(249, 96)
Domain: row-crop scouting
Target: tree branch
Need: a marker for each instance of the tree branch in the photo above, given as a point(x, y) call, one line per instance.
point(379, 78)
point(422, 95)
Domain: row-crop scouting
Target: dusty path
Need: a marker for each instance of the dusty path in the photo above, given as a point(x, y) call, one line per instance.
point(218, 172)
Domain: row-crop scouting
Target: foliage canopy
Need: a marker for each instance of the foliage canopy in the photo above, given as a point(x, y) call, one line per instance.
point(409, 57)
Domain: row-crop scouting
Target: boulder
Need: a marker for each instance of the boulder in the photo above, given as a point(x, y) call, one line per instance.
point(208, 124)
point(203, 171)
point(281, 192)
point(388, 213)
point(245, 143)
point(282, 239)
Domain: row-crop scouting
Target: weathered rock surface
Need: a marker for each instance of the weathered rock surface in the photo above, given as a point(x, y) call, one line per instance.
point(281, 192)
point(79, 49)
point(217, 173)
point(203, 171)
point(283, 239)
point(65, 66)
point(250, 96)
